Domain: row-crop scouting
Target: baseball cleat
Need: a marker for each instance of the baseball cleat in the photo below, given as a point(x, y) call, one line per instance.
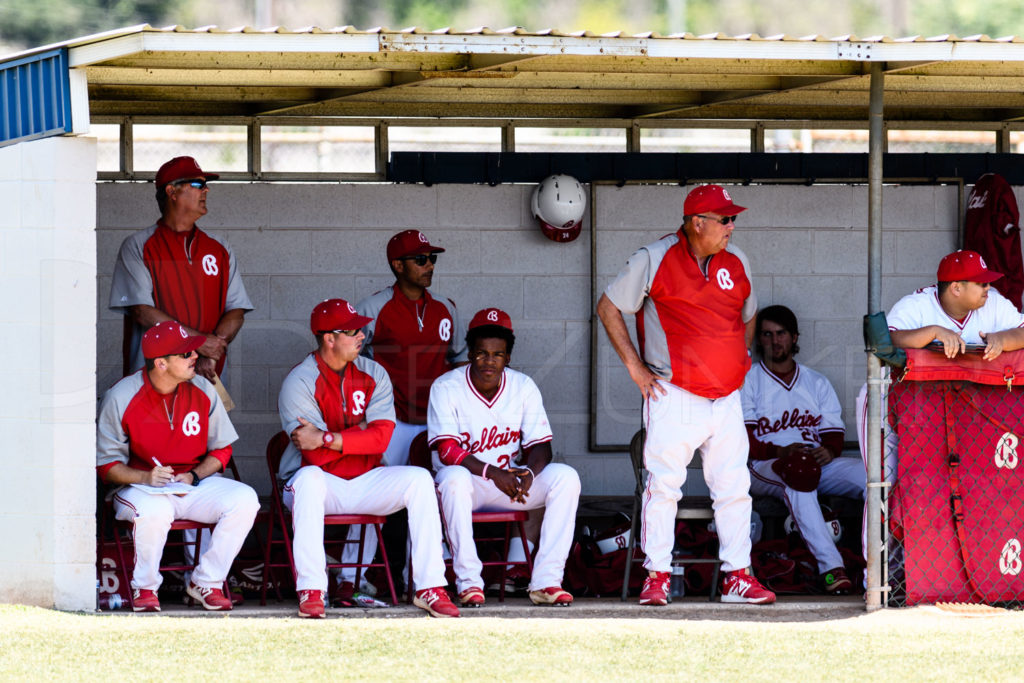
point(836, 581)
point(741, 586)
point(212, 599)
point(145, 600)
point(311, 604)
point(516, 580)
point(655, 591)
point(552, 595)
point(472, 597)
point(436, 602)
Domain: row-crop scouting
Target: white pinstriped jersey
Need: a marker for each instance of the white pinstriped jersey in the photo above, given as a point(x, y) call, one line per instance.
point(491, 430)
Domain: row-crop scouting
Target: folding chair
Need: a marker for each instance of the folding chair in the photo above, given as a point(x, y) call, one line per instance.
point(280, 516)
point(119, 526)
point(689, 508)
point(419, 455)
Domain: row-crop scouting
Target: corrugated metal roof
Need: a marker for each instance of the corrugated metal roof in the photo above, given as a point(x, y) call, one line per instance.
point(35, 97)
point(273, 72)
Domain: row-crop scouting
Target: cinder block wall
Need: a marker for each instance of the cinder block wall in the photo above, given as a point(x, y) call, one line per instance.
point(300, 243)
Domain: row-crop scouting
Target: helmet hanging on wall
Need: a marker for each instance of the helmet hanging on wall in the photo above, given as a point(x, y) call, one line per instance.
point(558, 204)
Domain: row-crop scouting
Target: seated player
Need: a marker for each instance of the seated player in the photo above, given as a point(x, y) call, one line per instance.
point(164, 424)
point(338, 409)
point(962, 308)
point(483, 419)
point(796, 431)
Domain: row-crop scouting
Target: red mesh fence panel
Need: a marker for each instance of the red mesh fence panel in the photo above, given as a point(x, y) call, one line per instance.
point(954, 509)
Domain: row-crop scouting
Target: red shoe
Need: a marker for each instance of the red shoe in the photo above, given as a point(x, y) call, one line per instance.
point(436, 602)
point(212, 599)
point(741, 586)
point(655, 591)
point(145, 600)
point(471, 597)
point(552, 595)
point(311, 604)
point(836, 581)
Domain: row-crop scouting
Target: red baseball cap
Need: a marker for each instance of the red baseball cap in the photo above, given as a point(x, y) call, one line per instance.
point(965, 265)
point(336, 314)
point(180, 168)
point(710, 198)
point(168, 338)
point(410, 243)
point(491, 316)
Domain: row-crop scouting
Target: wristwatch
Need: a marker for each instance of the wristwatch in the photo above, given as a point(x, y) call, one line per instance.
point(328, 439)
point(195, 477)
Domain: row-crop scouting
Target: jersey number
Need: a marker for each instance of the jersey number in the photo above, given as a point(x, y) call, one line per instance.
point(504, 461)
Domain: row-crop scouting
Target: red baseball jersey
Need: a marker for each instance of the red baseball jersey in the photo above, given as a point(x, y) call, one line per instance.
point(415, 341)
point(140, 427)
point(190, 276)
point(690, 323)
point(991, 228)
point(357, 402)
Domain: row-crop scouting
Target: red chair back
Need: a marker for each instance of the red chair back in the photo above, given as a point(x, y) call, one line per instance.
point(419, 453)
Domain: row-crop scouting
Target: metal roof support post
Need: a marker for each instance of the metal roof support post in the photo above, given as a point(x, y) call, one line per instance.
point(508, 137)
point(1003, 140)
point(876, 146)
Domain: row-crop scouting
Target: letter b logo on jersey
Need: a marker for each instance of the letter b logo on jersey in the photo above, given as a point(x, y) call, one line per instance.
point(190, 425)
point(444, 330)
point(210, 265)
point(358, 402)
point(725, 279)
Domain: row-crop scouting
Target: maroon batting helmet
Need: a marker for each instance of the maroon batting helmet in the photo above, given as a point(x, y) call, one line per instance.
point(799, 471)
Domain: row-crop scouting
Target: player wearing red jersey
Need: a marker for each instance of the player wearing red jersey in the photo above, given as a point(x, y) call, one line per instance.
point(164, 424)
point(172, 270)
point(338, 408)
point(479, 419)
point(694, 307)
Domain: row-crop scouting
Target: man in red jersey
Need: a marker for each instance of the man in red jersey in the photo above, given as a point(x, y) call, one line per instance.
point(694, 305)
point(337, 407)
point(162, 425)
point(172, 270)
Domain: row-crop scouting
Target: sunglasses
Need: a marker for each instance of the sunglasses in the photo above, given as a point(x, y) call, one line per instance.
point(724, 220)
point(347, 333)
point(184, 356)
point(421, 259)
point(199, 184)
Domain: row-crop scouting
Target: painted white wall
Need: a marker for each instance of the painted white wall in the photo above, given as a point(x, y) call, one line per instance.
point(300, 243)
point(48, 380)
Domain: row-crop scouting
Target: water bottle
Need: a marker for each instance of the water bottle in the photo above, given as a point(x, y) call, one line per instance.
point(110, 602)
point(677, 581)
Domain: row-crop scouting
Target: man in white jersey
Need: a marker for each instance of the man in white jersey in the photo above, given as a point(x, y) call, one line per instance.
point(962, 308)
point(479, 419)
point(795, 427)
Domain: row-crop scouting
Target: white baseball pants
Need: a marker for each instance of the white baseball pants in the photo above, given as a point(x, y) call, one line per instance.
point(678, 424)
point(556, 488)
point(229, 504)
point(841, 477)
point(311, 493)
point(396, 454)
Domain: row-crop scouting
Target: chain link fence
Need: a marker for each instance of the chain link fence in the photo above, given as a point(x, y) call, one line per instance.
point(954, 521)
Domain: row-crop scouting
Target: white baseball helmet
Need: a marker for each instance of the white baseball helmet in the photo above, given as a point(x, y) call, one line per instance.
point(756, 527)
point(558, 204)
point(832, 525)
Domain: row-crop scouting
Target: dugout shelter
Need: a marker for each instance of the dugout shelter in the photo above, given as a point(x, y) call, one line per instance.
point(814, 232)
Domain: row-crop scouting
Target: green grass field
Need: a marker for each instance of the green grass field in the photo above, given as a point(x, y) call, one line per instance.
point(915, 644)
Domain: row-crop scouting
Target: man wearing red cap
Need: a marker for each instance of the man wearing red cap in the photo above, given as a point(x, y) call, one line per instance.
point(413, 333)
point(337, 407)
point(694, 305)
point(962, 308)
point(172, 270)
point(479, 418)
point(163, 425)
